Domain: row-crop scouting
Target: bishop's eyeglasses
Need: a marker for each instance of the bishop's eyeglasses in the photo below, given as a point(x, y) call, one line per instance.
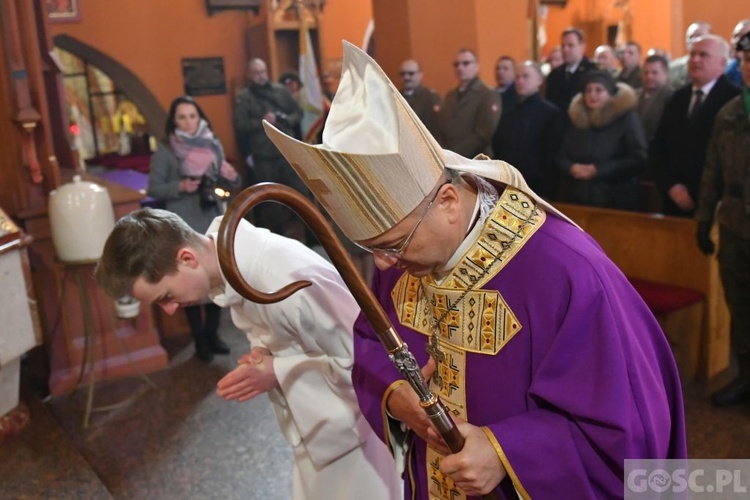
point(398, 253)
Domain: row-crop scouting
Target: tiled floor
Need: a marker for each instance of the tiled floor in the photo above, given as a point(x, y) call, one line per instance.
point(182, 441)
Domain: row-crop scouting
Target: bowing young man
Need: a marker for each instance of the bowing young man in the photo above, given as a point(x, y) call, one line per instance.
point(301, 348)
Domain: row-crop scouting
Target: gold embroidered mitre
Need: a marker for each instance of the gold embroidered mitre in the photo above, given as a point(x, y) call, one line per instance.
point(377, 161)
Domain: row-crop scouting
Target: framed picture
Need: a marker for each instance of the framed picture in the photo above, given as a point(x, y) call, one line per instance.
point(63, 10)
point(214, 6)
point(204, 76)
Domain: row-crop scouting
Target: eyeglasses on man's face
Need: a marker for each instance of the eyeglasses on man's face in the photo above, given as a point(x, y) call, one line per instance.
point(408, 73)
point(398, 253)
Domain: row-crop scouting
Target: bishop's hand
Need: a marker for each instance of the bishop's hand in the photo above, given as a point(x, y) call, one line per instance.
point(477, 468)
point(403, 405)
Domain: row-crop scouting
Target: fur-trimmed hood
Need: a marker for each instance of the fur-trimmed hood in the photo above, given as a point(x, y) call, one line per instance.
point(623, 101)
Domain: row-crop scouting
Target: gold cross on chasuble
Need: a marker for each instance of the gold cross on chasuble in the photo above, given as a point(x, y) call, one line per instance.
point(469, 319)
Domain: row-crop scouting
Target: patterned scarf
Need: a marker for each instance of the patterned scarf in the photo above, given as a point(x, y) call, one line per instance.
point(199, 153)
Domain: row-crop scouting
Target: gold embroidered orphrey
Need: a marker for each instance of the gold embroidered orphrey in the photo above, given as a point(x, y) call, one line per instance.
point(460, 317)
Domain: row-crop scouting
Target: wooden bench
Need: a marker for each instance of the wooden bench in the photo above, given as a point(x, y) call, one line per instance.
point(660, 257)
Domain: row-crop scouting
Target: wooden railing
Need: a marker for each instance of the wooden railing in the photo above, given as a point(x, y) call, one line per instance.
point(663, 250)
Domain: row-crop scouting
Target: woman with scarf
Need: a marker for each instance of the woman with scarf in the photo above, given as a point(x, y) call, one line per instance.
point(185, 169)
point(604, 148)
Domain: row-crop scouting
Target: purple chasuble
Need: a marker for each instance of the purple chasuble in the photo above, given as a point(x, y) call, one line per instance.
point(587, 381)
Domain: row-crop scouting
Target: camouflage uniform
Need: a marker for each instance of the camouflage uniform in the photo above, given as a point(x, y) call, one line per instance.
point(726, 178)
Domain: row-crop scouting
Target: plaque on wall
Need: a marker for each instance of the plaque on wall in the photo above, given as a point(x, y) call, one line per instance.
point(204, 76)
point(217, 5)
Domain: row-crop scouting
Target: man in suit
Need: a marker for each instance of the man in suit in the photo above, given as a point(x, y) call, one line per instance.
point(566, 80)
point(630, 57)
point(505, 77)
point(425, 102)
point(678, 68)
point(654, 94)
point(470, 112)
point(529, 135)
point(605, 58)
point(678, 151)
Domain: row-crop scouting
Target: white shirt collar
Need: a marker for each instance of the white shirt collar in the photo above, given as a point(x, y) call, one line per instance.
point(706, 88)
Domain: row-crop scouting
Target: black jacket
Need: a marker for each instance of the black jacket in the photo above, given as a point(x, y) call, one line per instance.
point(562, 86)
point(612, 139)
point(509, 97)
point(528, 137)
point(678, 150)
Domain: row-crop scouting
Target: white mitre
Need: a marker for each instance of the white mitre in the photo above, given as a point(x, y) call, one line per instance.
point(377, 161)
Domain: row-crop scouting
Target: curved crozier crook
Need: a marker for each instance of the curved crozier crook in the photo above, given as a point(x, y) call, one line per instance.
point(315, 220)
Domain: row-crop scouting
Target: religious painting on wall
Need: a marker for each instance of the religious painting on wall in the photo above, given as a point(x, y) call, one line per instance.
point(63, 10)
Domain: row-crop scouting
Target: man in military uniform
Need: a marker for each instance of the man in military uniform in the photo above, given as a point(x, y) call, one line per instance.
point(425, 102)
point(264, 100)
point(725, 179)
point(471, 111)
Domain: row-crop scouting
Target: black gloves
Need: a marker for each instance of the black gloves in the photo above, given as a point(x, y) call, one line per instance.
point(704, 237)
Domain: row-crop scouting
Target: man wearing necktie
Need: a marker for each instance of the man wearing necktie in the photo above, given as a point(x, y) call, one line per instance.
point(678, 150)
point(697, 101)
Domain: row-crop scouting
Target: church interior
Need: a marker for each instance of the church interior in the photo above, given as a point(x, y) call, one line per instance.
point(99, 400)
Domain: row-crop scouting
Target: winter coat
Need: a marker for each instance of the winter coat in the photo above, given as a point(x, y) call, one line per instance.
point(612, 139)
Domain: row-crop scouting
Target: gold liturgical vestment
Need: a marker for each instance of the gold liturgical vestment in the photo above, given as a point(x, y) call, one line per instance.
point(470, 319)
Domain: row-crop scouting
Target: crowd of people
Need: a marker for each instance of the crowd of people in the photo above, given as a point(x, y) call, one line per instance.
point(553, 366)
point(603, 132)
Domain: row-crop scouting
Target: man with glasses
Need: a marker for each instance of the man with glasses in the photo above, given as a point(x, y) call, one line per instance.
point(550, 362)
point(425, 102)
point(470, 112)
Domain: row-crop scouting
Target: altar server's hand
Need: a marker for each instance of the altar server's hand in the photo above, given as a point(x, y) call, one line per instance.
point(252, 377)
point(476, 469)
